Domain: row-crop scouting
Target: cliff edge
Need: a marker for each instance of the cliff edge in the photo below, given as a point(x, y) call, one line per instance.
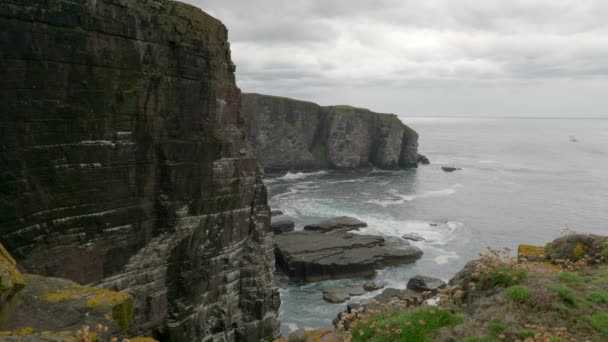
point(291, 135)
point(124, 164)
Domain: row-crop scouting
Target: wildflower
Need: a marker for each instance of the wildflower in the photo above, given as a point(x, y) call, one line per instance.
point(408, 324)
point(361, 332)
point(422, 322)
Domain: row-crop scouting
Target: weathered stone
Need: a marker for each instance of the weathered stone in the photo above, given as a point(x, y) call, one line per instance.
point(341, 223)
point(313, 256)
point(422, 284)
point(122, 164)
point(390, 294)
point(314, 137)
point(282, 226)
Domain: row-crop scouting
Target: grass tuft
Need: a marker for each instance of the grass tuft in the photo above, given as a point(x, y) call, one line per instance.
point(599, 322)
point(565, 293)
point(597, 298)
point(518, 293)
point(571, 278)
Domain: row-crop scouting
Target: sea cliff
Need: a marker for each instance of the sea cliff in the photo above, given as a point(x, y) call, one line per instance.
point(124, 164)
point(292, 135)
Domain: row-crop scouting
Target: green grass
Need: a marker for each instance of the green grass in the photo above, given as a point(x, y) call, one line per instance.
point(599, 322)
point(571, 278)
point(424, 323)
point(597, 297)
point(495, 327)
point(605, 253)
point(518, 293)
point(565, 293)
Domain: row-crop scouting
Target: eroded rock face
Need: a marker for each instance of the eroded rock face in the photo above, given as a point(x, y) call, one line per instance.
point(288, 134)
point(124, 164)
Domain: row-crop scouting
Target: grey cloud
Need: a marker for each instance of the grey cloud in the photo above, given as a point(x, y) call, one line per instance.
point(356, 51)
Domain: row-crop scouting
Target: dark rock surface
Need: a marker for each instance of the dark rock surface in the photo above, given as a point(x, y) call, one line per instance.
point(422, 284)
point(282, 226)
point(124, 164)
point(313, 256)
point(341, 223)
point(372, 286)
point(450, 168)
point(314, 137)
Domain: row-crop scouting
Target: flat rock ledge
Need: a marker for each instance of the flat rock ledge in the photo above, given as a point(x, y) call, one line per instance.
point(341, 223)
point(311, 256)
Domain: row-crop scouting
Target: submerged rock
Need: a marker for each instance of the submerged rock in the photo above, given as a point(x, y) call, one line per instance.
point(282, 226)
point(450, 168)
point(422, 284)
point(341, 223)
point(413, 237)
point(372, 286)
point(313, 256)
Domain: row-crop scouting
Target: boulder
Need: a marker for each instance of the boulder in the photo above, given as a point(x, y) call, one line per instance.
point(390, 294)
point(450, 168)
point(422, 284)
point(340, 294)
point(282, 226)
point(314, 256)
point(299, 335)
point(341, 223)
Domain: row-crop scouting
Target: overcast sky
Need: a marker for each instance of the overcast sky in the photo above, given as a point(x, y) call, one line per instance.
point(425, 58)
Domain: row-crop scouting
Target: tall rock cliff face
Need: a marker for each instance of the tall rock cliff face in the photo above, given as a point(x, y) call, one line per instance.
point(288, 134)
point(124, 164)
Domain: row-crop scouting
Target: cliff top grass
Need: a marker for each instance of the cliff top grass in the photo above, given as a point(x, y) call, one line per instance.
point(503, 298)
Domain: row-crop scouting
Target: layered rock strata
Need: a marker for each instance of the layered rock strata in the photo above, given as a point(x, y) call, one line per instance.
point(124, 164)
point(290, 135)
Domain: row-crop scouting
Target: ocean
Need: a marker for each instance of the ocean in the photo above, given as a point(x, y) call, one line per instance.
point(522, 181)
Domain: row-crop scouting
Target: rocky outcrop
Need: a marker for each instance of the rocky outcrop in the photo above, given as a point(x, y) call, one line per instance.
point(43, 308)
point(288, 134)
point(423, 284)
point(282, 226)
point(124, 164)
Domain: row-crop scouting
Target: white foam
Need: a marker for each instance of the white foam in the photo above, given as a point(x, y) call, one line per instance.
point(398, 198)
point(299, 175)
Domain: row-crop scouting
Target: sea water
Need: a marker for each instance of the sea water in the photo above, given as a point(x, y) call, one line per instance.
point(522, 181)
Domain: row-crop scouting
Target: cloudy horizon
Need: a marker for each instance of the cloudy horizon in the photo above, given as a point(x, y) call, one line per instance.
point(526, 58)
